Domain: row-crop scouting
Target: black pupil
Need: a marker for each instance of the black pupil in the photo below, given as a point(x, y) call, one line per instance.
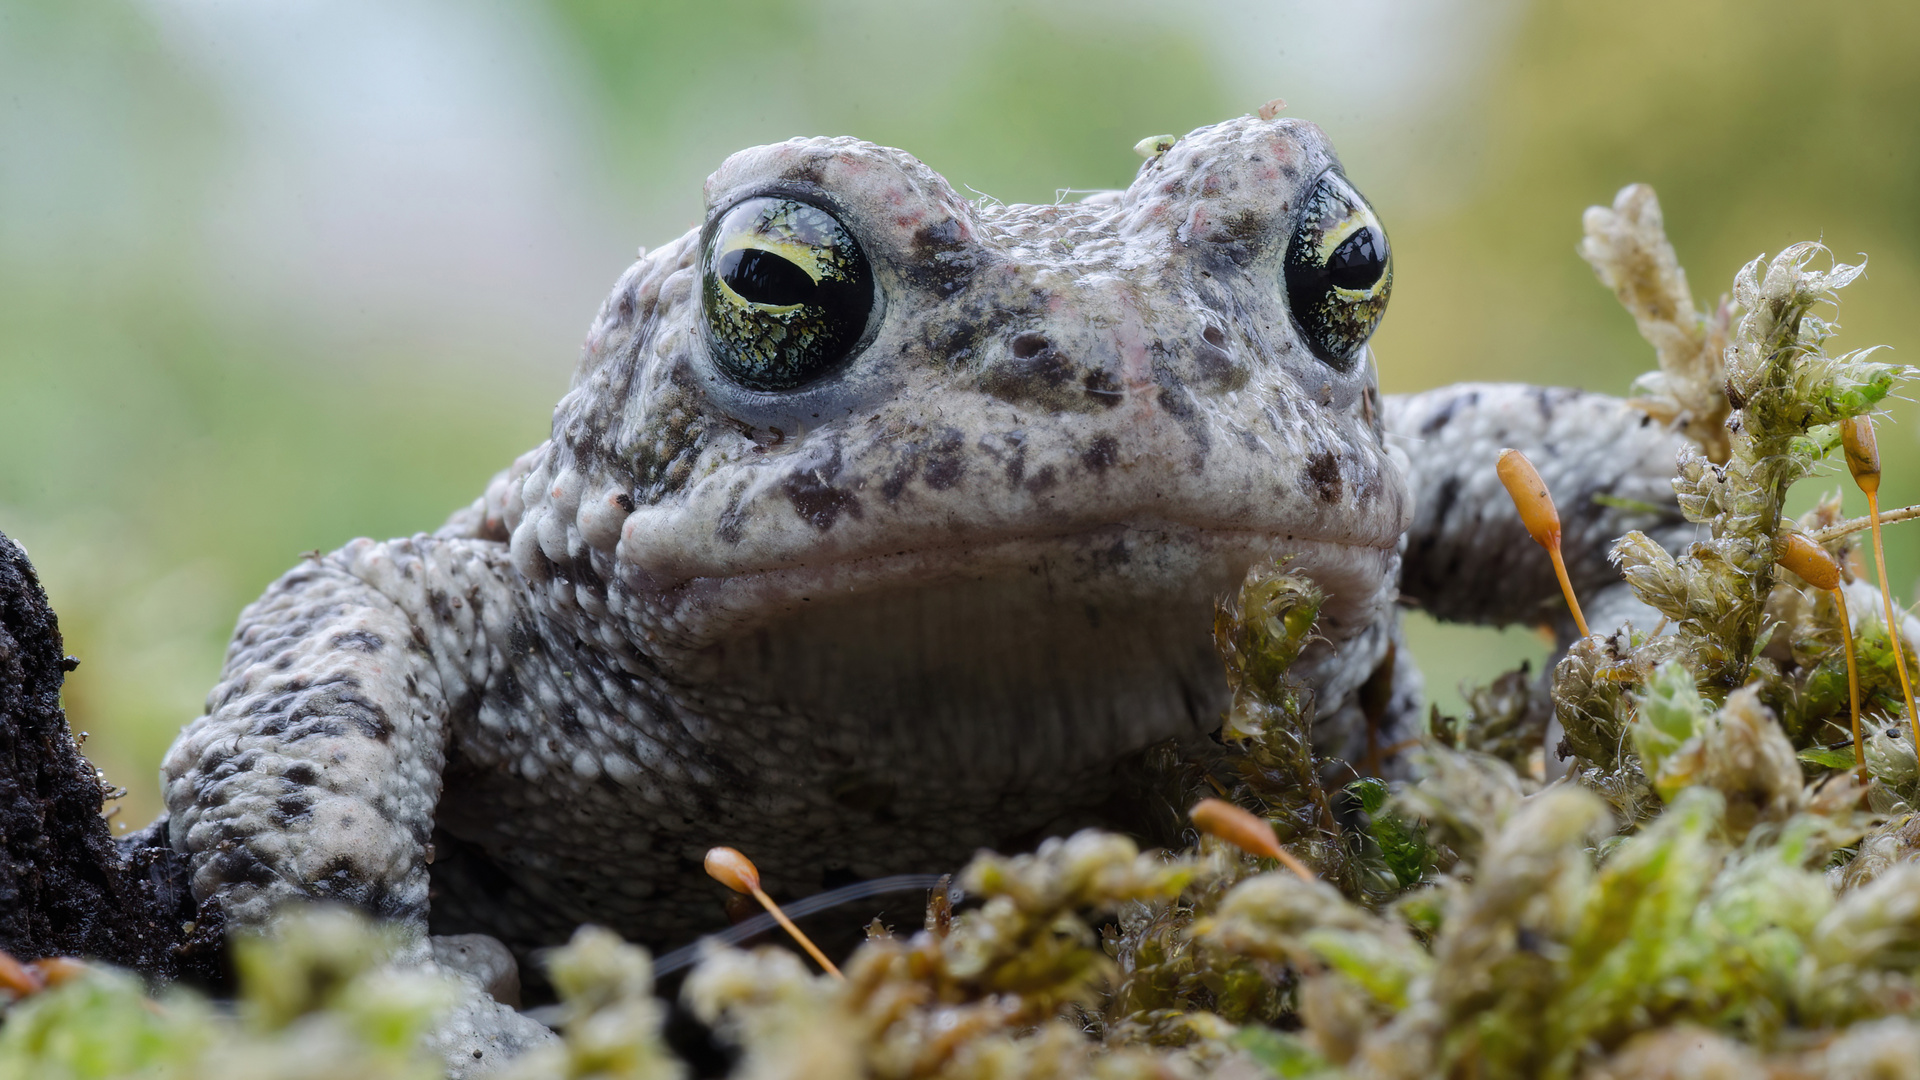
point(1358, 261)
point(761, 277)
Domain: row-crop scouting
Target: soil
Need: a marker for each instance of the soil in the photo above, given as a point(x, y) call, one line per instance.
point(67, 887)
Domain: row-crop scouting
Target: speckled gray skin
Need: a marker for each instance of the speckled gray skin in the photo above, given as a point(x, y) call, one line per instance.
point(919, 605)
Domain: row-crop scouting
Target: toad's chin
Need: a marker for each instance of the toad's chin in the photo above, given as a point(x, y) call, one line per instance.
point(1102, 632)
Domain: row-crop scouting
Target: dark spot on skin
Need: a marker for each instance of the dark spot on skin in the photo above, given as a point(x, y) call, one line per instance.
point(509, 690)
point(363, 641)
point(288, 807)
point(366, 716)
point(211, 764)
point(343, 881)
point(953, 343)
point(624, 501)
point(1445, 415)
point(942, 262)
point(731, 524)
point(1443, 501)
point(1543, 400)
point(234, 864)
point(902, 474)
point(301, 774)
point(1102, 387)
point(1177, 401)
point(623, 311)
point(1238, 237)
point(520, 638)
point(1036, 376)
point(1017, 465)
point(946, 462)
point(321, 711)
point(817, 501)
point(805, 172)
point(1034, 370)
point(1117, 555)
point(1175, 404)
point(1042, 480)
point(570, 721)
point(1323, 469)
point(1214, 364)
point(1100, 454)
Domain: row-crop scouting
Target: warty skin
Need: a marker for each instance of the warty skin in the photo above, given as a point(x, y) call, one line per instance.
point(922, 603)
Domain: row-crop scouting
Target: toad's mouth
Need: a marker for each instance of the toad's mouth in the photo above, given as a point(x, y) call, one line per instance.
point(1007, 658)
point(951, 631)
point(1125, 564)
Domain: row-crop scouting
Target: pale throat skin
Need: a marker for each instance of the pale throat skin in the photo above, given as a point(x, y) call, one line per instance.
point(923, 602)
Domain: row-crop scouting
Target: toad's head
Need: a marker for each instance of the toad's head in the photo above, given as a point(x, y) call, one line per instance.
point(859, 446)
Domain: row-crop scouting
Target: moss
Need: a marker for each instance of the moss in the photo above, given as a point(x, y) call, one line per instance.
point(317, 1000)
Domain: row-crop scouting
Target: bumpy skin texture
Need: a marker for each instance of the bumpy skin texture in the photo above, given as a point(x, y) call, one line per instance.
point(921, 604)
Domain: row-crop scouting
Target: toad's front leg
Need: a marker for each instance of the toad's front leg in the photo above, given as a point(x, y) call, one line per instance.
point(315, 772)
point(1609, 466)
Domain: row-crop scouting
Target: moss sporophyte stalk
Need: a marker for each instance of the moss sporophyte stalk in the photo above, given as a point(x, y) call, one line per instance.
point(1723, 884)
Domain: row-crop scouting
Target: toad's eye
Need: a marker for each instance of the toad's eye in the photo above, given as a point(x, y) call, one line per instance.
point(787, 292)
point(1338, 271)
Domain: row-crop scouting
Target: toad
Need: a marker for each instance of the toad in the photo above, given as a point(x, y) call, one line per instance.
point(878, 525)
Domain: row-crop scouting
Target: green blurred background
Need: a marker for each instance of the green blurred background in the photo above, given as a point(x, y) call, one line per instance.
point(275, 276)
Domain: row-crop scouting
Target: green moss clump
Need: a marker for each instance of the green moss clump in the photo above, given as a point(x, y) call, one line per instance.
point(318, 1000)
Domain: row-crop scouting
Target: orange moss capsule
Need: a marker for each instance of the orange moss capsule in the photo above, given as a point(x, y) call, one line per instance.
point(1801, 555)
point(1537, 513)
point(17, 978)
point(1246, 831)
point(1798, 553)
point(1863, 453)
point(1863, 461)
point(734, 870)
point(56, 970)
point(1530, 497)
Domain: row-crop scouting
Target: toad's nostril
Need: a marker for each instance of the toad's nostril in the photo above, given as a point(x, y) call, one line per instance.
point(1215, 337)
point(1028, 346)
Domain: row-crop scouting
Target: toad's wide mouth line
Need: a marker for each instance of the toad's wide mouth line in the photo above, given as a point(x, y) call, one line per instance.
point(972, 548)
point(1116, 560)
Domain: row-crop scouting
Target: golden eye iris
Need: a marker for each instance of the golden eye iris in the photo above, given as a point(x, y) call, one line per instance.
point(787, 292)
point(1338, 270)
